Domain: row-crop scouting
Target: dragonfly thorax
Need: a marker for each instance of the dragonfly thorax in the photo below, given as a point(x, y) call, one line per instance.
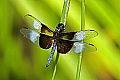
point(59, 29)
point(56, 35)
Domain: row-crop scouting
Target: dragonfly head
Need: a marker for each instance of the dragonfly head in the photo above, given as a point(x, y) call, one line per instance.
point(60, 27)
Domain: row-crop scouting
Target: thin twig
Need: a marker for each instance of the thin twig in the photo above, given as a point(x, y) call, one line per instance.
point(63, 21)
point(80, 57)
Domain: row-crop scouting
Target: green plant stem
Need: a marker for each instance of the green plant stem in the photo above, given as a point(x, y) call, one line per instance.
point(65, 11)
point(57, 57)
point(80, 57)
point(63, 21)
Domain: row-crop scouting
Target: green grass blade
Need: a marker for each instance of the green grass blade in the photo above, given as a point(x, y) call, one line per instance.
point(80, 57)
point(62, 20)
point(65, 11)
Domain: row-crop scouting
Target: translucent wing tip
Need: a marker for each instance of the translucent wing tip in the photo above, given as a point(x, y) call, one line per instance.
point(33, 21)
point(94, 32)
point(22, 31)
point(83, 47)
point(95, 49)
point(27, 15)
point(89, 48)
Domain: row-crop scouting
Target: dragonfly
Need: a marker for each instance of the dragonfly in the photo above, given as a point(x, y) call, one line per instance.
point(64, 42)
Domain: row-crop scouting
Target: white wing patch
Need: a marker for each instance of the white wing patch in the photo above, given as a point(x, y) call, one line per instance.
point(33, 36)
point(36, 24)
point(78, 47)
point(30, 34)
point(80, 35)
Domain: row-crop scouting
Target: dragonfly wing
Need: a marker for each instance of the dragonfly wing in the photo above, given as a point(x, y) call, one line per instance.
point(45, 30)
point(84, 35)
point(79, 47)
point(32, 22)
point(67, 36)
point(45, 41)
point(78, 36)
point(30, 34)
point(64, 46)
point(35, 24)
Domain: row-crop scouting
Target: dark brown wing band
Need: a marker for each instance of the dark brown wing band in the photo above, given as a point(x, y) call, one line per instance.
point(46, 30)
point(45, 41)
point(67, 36)
point(63, 46)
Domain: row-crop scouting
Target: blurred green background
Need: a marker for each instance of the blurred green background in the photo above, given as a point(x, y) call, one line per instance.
point(21, 60)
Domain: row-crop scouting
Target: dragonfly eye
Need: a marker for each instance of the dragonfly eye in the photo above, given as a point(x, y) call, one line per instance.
point(61, 26)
